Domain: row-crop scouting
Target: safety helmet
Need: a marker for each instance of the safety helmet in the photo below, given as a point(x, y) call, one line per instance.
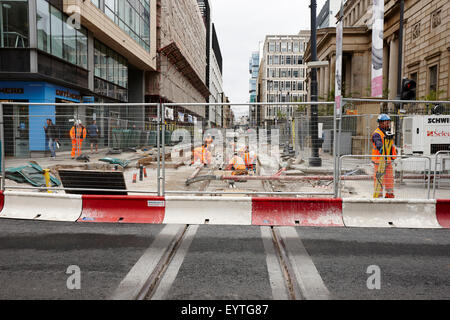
point(384, 117)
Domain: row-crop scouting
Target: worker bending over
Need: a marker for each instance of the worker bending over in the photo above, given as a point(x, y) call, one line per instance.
point(202, 155)
point(237, 164)
point(383, 145)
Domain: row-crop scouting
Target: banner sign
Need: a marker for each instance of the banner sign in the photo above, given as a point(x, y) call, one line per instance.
point(377, 48)
point(180, 116)
point(338, 77)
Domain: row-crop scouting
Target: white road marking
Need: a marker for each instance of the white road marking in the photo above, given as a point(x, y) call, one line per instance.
point(131, 286)
point(306, 274)
point(277, 282)
point(174, 267)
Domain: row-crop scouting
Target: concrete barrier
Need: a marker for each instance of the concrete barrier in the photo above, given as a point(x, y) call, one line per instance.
point(123, 209)
point(443, 213)
point(41, 206)
point(385, 213)
point(208, 210)
point(297, 212)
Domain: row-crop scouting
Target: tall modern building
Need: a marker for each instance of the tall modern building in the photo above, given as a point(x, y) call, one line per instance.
point(253, 86)
point(283, 77)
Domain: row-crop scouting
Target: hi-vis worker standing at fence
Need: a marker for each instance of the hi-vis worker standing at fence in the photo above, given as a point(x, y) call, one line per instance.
point(77, 134)
point(383, 145)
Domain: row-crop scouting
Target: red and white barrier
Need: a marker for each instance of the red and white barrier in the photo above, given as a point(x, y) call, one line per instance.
point(385, 213)
point(2, 199)
point(208, 210)
point(443, 213)
point(297, 212)
point(41, 206)
point(123, 209)
point(378, 213)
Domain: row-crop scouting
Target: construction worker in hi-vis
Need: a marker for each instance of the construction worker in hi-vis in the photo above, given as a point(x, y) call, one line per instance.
point(383, 145)
point(202, 155)
point(77, 135)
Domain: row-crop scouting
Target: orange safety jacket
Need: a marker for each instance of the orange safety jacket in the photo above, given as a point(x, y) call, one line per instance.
point(202, 154)
point(237, 163)
point(80, 133)
point(376, 153)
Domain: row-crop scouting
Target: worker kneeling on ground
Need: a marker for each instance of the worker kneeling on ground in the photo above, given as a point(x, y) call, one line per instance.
point(237, 164)
point(202, 155)
point(77, 134)
point(383, 145)
point(250, 160)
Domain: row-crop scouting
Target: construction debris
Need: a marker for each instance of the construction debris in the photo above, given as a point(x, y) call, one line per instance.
point(114, 161)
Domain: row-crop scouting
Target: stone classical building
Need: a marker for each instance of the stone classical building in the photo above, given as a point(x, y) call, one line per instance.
point(426, 49)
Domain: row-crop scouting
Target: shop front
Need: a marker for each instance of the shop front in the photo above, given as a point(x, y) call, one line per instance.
point(24, 124)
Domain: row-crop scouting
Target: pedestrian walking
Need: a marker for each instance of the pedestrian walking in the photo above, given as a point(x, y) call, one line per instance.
point(93, 135)
point(52, 137)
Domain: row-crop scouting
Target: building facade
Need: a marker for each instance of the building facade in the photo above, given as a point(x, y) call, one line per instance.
point(71, 51)
point(215, 82)
point(181, 61)
point(283, 74)
point(426, 52)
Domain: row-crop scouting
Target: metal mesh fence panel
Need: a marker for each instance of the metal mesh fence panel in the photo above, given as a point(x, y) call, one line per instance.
point(84, 147)
point(263, 153)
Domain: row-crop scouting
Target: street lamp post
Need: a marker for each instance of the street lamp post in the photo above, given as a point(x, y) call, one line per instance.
point(315, 160)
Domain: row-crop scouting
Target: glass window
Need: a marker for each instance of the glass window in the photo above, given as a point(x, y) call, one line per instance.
point(82, 48)
point(109, 65)
point(276, 60)
point(14, 24)
point(414, 77)
point(69, 43)
point(133, 17)
point(43, 25)
point(96, 3)
point(433, 79)
point(57, 32)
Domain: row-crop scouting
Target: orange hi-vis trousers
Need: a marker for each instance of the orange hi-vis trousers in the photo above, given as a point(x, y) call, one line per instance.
point(384, 180)
point(77, 145)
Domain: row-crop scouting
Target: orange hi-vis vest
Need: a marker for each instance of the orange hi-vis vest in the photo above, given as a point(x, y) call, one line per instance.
point(202, 154)
point(387, 150)
point(237, 163)
point(80, 133)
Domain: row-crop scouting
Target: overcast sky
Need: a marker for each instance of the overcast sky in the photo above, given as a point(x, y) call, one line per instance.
point(242, 24)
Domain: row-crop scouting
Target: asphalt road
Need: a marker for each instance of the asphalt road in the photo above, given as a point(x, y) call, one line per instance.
point(220, 263)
